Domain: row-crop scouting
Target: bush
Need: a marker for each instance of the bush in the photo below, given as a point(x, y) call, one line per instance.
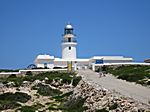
point(132, 73)
point(114, 106)
point(76, 81)
point(8, 70)
point(132, 77)
point(46, 90)
point(32, 108)
point(17, 97)
point(8, 105)
point(27, 109)
point(63, 97)
point(75, 105)
point(66, 77)
point(10, 100)
point(29, 73)
point(12, 76)
point(101, 110)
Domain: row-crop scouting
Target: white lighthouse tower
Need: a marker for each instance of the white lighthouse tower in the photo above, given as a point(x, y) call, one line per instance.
point(69, 44)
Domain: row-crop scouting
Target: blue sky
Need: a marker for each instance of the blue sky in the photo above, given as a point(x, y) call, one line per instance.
point(103, 27)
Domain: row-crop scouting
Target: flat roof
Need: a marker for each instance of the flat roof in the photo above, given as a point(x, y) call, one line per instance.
point(78, 59)
point(125, 63)
point(111, 58)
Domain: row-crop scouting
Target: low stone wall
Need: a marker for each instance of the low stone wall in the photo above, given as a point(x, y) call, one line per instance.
point(22, 73)
point(37, 71)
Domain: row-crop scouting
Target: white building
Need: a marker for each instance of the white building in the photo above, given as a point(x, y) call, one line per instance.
point(44, 61)
point(69, 55)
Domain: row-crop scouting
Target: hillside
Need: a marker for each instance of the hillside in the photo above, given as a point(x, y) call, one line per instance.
point(139, 74)
point(42, 92)
point(63, 92)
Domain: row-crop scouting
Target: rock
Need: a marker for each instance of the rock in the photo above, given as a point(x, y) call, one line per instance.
point(104, 103)
point(142, 110)
point(102, 98)
point(46, 78)
point(37, 82)
point(135, 109)
point(43, 81)
point(25, 83)
point(1, 85)
point(10, 84)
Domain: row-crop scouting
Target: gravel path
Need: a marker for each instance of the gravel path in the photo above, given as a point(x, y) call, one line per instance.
point(135, 91)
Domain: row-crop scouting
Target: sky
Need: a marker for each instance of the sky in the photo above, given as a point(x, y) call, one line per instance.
point(103, 27)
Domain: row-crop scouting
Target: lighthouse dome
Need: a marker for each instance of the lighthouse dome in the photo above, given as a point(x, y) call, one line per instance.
point(68, 26)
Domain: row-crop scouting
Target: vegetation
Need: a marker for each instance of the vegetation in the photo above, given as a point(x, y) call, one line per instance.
point(27, 109)
point(65, 76)
point(62, 103)
point(46, 90)
point(76, 80)
point(10, 100)
point(114, 106)
point(32, 108)
point(102, 110)
point(29, 73)
point(63, 97)
point(75, 105)
point(133, 73)
point(8, 70)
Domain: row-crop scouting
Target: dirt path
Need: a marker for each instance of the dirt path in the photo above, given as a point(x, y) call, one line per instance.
point(137, 92)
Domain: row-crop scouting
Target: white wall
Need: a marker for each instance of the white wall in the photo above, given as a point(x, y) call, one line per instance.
point(48, 66)
point(69, 54)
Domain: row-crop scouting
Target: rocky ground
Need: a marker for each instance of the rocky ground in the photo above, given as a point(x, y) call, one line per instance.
point(62, 96)
point(103, 100)
point(46, 94)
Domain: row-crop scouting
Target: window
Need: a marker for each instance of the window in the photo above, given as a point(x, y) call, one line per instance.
point(45, 65)
point(69, 48)
point(69, 39)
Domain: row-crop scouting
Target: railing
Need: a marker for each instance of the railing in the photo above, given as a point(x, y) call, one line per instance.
point(69, 41)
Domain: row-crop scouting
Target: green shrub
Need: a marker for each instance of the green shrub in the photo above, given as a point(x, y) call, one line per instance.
point(63, 97)
point(12, 76)
point(8, 70)
point(114, 106)
point(10, 100)
point(17, 80)
point(132, 73)
point(76, 81)
point(18, 97)
point(66, 77)
point(29, 73)
point(8, 105)
point(75, 105)
point(46, 90)
point(27, 109)
point(32, 108)
point(132, 77)
point(101, 110)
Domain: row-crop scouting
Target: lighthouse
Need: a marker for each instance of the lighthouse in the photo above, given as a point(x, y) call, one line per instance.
point(69, 44)
point(69, 57)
